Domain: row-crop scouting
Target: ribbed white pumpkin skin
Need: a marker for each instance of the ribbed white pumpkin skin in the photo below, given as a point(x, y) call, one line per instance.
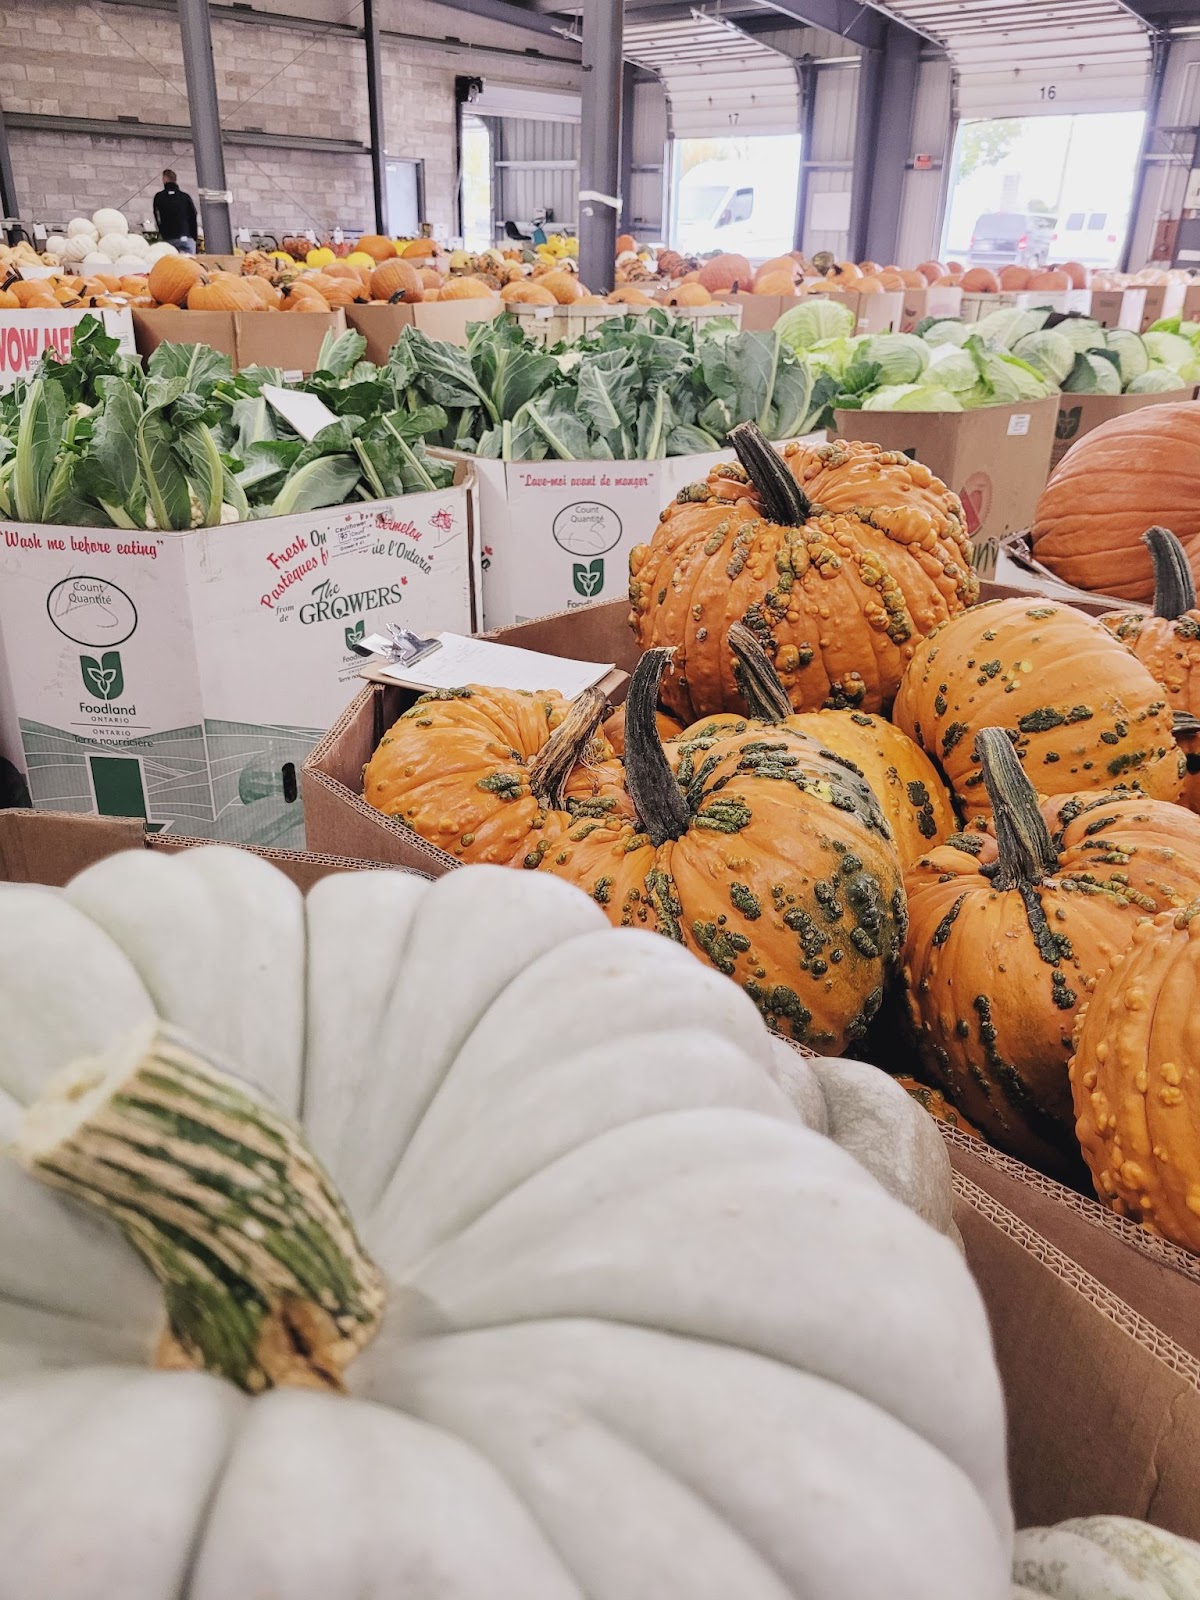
point(648, 1337)
point(1105, 1558)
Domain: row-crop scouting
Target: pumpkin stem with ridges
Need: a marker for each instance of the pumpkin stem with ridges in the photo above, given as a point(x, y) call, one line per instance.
point(766, 698)
point(563, 750)
point(1024, 850)
point(784, 502)
point(661, 808)
point(264, 1280)
point(1174, 586)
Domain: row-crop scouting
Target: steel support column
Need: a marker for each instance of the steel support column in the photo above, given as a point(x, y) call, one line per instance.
point(808, 121)
point(866, 126)
point(196, 34)
point(628, 90)
point(896, 94)
point(1162, 51)
point(600, 142)
point(8, 184)
point(375, 116)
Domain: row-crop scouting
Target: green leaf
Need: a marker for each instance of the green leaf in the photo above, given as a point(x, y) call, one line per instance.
point(205, 470)
point(340, 353)
point(166, 483)
point(323, 482)
point(198, 365)
point(43, 418)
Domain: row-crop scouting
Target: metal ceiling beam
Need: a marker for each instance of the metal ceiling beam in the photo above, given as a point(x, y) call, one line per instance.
point(180, 133)
point(516, 16)
point(861, 24)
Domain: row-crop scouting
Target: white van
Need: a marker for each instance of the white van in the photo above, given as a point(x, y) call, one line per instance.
point(731, 205)
point(1090, 237)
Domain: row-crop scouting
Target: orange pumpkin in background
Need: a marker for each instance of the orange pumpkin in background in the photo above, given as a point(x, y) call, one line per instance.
point(467, 288)
point(1077, 272)
point(689, 294)
point(522, 292)
point(420, 250)
point(625, 242)
point(376, 246)
point(563, 285)
point(396, 281)
point(776, 264)
point(777, 283)
point(979, 280)
point(1050, 278)
point(223, 292)
point(629, 295)
point(725, 273)
point(172, 278)
point(1014, 278)
point(931, 271)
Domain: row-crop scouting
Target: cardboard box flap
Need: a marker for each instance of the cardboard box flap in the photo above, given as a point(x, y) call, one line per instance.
point(1103, 1406)
point(1016, 562)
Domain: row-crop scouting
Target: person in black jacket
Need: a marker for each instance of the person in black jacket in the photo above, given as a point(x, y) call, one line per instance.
point(175, 215)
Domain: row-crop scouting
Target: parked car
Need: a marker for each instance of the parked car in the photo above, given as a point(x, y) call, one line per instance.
point(1003, 237)
point(732, 205)
point(1092, 237)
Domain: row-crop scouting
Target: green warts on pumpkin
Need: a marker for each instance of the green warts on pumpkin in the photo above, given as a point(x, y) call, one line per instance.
point(263, 1276)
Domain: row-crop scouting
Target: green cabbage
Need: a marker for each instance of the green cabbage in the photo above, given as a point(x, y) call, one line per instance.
point(1047, 351)
point(994, 329)
point(1131, 353)
point(911, 397)
point(944, 330)
point(813, 320)
point(1093, 373)
point(833, 355)
point(900, 357)
point(951, 368)
point(1169, 350)
point(1159, 380)
point(1081, 333)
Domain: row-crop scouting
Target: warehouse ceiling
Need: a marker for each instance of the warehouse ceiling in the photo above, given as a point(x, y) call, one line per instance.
point(716, 76)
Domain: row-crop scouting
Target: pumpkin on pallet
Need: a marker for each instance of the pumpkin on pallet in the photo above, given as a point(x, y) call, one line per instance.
point(1082, 711)
point(488, 774)
point(1135, 1077)
point(758, 851)
point(1168, 644)
point(913, 797)
point(1129, 472)
point(1007, 932)
point(837, 597)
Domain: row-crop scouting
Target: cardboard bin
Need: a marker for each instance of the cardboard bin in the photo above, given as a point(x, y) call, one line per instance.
point(248, 338)
point(26, 335)
point(1080, 413)
point(382, 324)
point(873, 313)
point(944, 301)
point(184, 677)
point(1018, 566)
point(1119, 308)
point(995, 459)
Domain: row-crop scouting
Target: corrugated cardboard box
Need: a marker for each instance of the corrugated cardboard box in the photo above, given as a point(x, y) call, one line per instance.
point(26, 335)
point(873, 313)
point(995, 459)
point(248, 338)
point(1080, 413)
point(1018, 566)
point(1120, 308)
point(944, 301)
point(183, 677)
point(975, 306)
point(448, 320)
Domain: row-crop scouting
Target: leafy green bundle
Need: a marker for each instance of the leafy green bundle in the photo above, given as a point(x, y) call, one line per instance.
point(96, 442)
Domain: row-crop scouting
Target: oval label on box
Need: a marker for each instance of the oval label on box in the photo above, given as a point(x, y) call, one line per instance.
point(91, 611)
point(587, 528)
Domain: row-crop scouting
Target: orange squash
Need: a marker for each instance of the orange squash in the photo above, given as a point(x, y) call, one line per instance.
point(396, 281)
point(1014, 278)
point(980, 280)
point(1050, 278)
point(563, 285)
point(223, 292)
point(8, 301)
point(420, 250)
point(625, 242)
point(931, 271)
point(776, 264)
point(1110, 486)
point(467, 288)
point(868, 284)
point(266, 294)
point(311, 302)
point(32, 291)
point(777, 283)
point(172, 279)
point(523, 292)
point(1077, 272)
point(376, 246)
point(726, 273)
point(914, 280)
point(628, 295)
point(689, 294)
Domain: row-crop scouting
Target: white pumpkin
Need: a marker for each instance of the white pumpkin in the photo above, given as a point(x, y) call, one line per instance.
point(646, 1333)
point(1105, 1558)
point(109, 220)
point(79, 226)
point(125, 265)
point(57, 245)
point(113, 245)
point(136, 244)
point(93, 263)
point(78, 246)
point(157, 251)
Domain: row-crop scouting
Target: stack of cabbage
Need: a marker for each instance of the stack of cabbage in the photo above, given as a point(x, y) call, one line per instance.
point(1007, 356)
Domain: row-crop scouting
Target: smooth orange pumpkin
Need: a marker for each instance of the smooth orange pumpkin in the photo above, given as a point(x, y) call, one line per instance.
point(467, 288)
point(868, 284)
point(689, 294)
point(628, 295)
point(1079, 274)
point(563, 285)
point(376, 246)
point(725, 273)
point(8, 300)
point(268, 296)
point(396, 281)
point(625, 242)
point(776, 264)
point(1135, 1079)
point(523, 292)
point(1050, 278)
point(980, 280)
point(914, 280)
point(777, 283)
point(420, 250)
point(223, 292)
point(172, 278)
point(1013, 277)
point(931, 271)
point(1129, 472)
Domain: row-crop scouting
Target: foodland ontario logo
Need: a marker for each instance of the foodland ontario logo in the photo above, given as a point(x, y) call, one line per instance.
point(355, 634)
point(104, 679)
point(588, 577)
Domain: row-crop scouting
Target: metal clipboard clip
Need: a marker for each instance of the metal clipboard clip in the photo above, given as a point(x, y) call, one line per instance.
point(400, 646)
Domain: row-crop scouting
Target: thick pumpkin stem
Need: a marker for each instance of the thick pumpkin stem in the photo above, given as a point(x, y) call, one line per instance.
point(263, 1276)
point(784, 502)
point(564, 749)
point(662, 811)
point(1174, 586)
point(765, 697)
point(1024, 849)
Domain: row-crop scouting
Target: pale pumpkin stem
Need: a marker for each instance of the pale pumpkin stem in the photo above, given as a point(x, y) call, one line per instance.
point(1024, 849)
point(662, 811)
point(1174, 586)
point(263, 1276)
point(784, 502)
point(564, 749)
point(766, 698)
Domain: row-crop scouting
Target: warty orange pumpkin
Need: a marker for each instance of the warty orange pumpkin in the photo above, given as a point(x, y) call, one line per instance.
point(485, 773)
point(1135, 1077)
point(1085, 714)
point(1007, 932)
point(1129, 472)
point(759, 852)
point(1168, 645)
point(912, 796)
point(836, 558)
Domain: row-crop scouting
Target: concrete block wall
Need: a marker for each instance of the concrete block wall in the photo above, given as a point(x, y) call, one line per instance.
point(66, 58)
